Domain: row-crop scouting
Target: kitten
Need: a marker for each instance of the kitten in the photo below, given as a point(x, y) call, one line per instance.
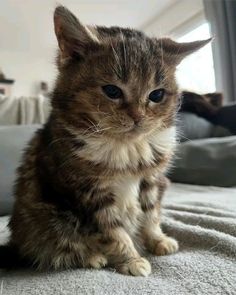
point(89, 190)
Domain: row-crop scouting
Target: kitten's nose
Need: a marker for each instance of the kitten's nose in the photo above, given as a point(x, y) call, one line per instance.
point(135, 114)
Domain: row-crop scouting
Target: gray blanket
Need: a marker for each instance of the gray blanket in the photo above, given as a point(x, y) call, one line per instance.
point(203, 219)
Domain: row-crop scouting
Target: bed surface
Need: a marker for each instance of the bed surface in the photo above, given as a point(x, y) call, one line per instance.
point(203, 219)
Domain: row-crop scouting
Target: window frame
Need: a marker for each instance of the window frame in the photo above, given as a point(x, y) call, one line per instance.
point(190, 25)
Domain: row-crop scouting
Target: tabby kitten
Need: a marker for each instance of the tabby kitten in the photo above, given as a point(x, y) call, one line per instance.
point(89, 190)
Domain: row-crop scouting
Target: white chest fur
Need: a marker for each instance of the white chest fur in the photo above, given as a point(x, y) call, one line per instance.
point(126, 191)
point(120, 154)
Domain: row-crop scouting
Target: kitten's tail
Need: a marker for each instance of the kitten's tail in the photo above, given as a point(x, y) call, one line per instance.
point(10, 258)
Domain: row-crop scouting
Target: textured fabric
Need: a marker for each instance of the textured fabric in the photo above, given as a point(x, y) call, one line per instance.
point(209, 161)
point(203, 219)
point(12, 142)
point(23, 110)
point(221, 15)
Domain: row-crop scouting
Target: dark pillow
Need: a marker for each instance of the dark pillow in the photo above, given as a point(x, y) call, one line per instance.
point(226, 117)
point(203, 105)
point(209, 161)
point(13, 140)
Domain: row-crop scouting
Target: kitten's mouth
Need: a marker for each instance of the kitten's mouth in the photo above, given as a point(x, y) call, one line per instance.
point(134, 130)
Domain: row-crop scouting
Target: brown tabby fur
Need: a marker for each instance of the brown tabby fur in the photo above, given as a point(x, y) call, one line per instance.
point(89, 189)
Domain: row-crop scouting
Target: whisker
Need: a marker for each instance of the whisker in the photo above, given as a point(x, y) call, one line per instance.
point(117, 59)
point(124, 50)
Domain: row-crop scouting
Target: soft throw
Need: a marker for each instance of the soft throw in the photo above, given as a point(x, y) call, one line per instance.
point(203, 219)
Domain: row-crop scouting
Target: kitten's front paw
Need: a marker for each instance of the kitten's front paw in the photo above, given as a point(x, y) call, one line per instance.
point(166, 246)
point(136, 267)
point(97, 261)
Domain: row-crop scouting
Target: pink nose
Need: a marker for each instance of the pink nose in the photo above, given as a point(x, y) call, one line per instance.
point(135, 114)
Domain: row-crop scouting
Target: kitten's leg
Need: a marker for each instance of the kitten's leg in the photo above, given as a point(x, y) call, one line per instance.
point(150, 198)
point(97, 261)
point(115, 243)
point(122, 254)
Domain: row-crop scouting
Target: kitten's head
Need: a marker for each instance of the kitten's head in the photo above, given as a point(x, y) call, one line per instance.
point(115, 81)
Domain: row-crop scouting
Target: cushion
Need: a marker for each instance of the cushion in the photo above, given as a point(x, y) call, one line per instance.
point(209, 161)
point(13, 139)
point(193, 127)
point(226, 117)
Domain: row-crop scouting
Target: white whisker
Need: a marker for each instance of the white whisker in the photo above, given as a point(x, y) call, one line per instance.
point(124, 49)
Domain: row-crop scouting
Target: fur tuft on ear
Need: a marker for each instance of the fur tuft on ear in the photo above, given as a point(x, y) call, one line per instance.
point(174, 53)
point(74, 39)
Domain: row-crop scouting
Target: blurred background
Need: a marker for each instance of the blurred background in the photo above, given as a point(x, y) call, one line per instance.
point(207, 79)
point(201, 201)
point(28, 44)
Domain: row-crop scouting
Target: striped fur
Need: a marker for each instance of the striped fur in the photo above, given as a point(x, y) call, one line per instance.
point(88, 192)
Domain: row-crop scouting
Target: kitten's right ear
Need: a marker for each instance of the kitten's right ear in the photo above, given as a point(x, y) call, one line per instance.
point(74, 39)
point(174, 52)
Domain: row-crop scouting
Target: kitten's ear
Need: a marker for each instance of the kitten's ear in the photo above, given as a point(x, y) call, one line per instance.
point(174, 53)
point(74, 39)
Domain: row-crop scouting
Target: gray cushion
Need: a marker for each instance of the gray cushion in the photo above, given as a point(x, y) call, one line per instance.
point(192, 126)
point(206, 161)
point(12, 141)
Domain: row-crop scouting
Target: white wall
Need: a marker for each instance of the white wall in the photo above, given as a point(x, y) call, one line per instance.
point(27, 69)
point(169, 21)
point(27, 41)
point(25, 28)
point(28, 44)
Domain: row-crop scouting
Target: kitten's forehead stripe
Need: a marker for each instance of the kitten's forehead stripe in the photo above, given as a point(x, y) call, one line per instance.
point(137, 56)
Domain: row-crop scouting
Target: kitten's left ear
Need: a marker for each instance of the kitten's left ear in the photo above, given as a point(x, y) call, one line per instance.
point(74, 39)
point(174, 53)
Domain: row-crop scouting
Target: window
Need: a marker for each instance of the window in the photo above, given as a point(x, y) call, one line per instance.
point(196, 72)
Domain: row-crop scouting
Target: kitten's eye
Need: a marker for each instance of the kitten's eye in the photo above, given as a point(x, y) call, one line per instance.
point(157, 95)
point(112, 91)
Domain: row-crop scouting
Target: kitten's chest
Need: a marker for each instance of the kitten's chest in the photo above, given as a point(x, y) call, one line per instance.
point(117, 154)
point(126, 191)
point(129, 154)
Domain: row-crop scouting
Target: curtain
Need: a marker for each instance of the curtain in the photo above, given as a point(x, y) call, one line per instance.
point(24, 110)
point(221, 15)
